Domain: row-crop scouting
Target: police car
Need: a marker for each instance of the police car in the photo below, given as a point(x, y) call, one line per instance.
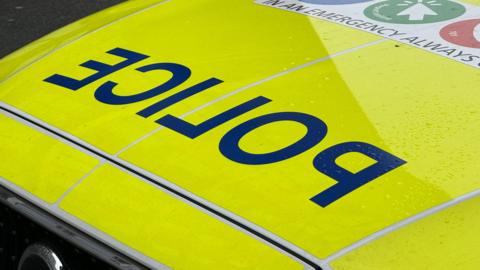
point(267, 134)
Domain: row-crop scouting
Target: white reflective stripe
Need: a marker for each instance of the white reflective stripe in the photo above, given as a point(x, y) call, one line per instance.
point(399, 225)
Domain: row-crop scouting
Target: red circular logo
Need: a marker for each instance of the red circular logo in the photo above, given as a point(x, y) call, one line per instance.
point(464, 33)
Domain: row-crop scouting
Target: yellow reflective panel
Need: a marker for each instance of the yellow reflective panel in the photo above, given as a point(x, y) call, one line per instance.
point(417, 106)
point(427, 115)
point(165, 228)
point(44, 166)
point(444, 241)
point(238, 42)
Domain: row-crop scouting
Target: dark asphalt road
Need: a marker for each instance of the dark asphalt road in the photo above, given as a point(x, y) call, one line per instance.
point(23, 21)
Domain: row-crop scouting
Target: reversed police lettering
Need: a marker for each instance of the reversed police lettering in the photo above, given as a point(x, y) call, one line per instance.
point(230, 148)
point(193, 131)
point(325, 163)
point(101, 68)
point(162, 104)
point(229, 144)
point(180, 74)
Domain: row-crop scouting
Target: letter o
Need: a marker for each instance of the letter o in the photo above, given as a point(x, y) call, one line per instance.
point(229, 144)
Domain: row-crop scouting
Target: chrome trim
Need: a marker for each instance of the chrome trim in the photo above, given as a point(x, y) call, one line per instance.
point(43, 252)
point(67, 232)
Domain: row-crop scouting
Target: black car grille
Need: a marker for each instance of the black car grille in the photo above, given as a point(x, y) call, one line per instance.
point(17, 232)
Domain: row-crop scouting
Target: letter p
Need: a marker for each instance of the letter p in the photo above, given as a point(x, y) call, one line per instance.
point(348, 181)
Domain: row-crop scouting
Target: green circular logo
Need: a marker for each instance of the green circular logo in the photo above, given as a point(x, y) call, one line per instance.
point(414, 11)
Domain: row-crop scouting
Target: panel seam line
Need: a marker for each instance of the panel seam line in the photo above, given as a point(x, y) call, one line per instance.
point(248, 86)
point(78, 182)
point(216, 211)
point(83, 227)
point(398, 226)
point(176, 190)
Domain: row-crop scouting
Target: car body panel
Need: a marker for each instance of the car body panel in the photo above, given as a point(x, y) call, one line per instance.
point(165, 228)
point(407, 112)
point(111, 128)
point(419, 107)
point(443, 241)
point(53, 166)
